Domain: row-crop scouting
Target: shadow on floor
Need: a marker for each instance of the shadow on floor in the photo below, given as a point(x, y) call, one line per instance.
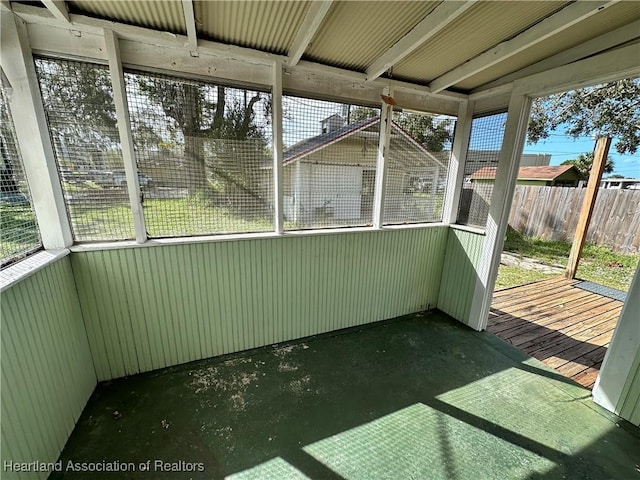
point(542, 342)
point(415, 397)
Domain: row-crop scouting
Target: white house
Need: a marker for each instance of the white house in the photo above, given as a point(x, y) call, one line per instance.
point(331, 177)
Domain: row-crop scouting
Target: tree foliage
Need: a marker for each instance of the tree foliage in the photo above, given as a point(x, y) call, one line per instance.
point(584, 162)
point(79, 99)
point(428, 130)
point(611, 110)
point(219, 129)
point(207, 122)
point(362, 113)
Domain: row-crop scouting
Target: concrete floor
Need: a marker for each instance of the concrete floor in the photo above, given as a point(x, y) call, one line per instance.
point(418, 397)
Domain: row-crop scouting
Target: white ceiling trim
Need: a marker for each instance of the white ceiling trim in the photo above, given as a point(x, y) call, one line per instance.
point(190, 22)
point(313, 19)
point(607, 67)
point(433, 23)
point(58, 9)
point(84, 24)
point(306, 79)
point(591, 47)
point(356, 77)
point(58, 40)
point(565, 18)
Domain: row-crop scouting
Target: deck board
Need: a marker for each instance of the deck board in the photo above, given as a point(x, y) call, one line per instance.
point(565, 327)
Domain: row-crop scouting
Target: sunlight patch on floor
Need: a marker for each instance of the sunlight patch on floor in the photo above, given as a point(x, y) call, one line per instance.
point(514, 400)
point(276, 469)
point(422, 442)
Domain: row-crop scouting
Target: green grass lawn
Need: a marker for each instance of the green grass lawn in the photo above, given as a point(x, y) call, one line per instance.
point(19, 229)
point(512, 276)
point(195, 216)
point(165, 218)
point(598, 264)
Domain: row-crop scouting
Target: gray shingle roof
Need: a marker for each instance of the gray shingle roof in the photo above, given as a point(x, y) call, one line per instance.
point(313, 144)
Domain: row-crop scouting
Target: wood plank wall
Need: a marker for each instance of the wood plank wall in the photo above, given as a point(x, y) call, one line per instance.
point(148, 308)
point(459, 273)
point(47, 370)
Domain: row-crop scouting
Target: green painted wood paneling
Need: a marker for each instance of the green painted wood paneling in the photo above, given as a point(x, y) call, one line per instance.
point(147, 308)
point(630, 398)
point(459, 273)
point(47, 371)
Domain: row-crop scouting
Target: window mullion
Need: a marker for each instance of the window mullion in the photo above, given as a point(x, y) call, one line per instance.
point(276, 99)
point(386, 118)
point(33, 136)
point(126, 137)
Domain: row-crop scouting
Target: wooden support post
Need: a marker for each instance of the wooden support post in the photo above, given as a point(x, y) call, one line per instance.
point(278, 149)
point(613, 388)
point(455, 175)
point(386, 118)
point(505, 183)
point(599, 161)
point(33, 134)
point(112, 47)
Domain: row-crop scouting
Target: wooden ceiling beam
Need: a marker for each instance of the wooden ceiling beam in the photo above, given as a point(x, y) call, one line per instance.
point(58, 9)
point(190, 22)
point(433, 23)
point(587, 49)
point(562, 20)
point(313, 19)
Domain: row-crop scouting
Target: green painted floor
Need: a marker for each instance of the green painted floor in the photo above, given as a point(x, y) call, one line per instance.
point(418, 397)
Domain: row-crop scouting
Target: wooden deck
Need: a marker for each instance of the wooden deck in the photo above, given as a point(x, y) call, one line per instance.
point(565, 327)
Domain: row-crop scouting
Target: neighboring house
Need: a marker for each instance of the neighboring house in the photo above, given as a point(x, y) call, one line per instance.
point(621, 183)
point(535, 159)
point(332, 175)
point(491, 157)
point(544, 176)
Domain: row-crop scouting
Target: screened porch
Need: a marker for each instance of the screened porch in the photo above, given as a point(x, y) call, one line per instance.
point(243, 234)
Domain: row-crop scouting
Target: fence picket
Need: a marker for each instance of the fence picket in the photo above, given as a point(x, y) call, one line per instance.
point(551, 213)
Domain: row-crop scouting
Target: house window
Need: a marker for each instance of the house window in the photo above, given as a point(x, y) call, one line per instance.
point(20, 234)
point(479, 170)
point(417, 164)
point(330, 159)
point(204, 155)
point(78, 101)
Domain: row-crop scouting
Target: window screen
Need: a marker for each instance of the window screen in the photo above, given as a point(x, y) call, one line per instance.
point(20, 234)
point(78, 101)
point(417, 164)
point(329, 163)
point(480, 169)
point(204, 155)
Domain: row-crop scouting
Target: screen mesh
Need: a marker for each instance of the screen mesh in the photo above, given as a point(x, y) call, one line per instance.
point(480, 169)
point(204, 155)
point(20, 234)
point(329, 163)
point(78, 101)
point(417, 165)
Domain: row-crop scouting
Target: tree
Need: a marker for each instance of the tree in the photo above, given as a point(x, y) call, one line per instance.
point(584, 162)
point(78, 99)
point(205, 120)
point(211, 122)
point(609, 110)
point(8, 182)
point(360, 114)
point(429, 131)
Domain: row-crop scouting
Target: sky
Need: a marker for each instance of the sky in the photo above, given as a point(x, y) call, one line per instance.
point(562, 147)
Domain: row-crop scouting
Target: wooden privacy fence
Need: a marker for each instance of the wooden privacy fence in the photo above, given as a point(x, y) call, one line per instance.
point(551, 213)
